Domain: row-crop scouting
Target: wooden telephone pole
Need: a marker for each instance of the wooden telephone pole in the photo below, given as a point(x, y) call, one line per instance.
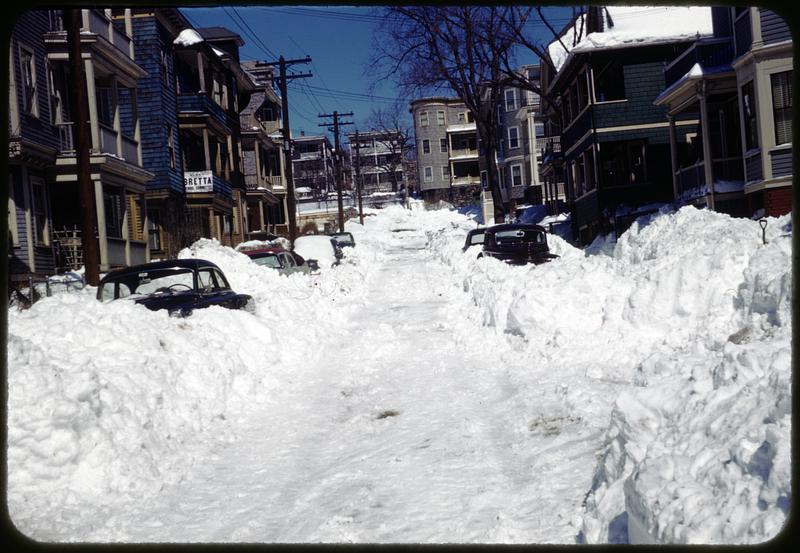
point(283, 78)
point(337, 158)
point(80, 126)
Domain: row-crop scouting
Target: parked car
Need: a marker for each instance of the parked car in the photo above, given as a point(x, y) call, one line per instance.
point(474, 238)
point(517, 244)
point(178, 285)
point(285, 262)
point(322, 248)
point(343, 239)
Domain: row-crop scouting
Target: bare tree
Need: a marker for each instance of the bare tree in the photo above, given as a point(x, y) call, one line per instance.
point(396, 139)
point(454, 47)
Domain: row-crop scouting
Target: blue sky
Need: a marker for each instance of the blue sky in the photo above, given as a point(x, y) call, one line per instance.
point(339, 41)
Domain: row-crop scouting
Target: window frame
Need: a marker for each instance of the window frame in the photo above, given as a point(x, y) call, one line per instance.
point(513, 177)
point(512, 140)
point(749, 123)
point(423, 119)
point(440, 117)
point(446, 175)
point(514, 105)
point(426, 146)
point(594, 97)
point(30, 99)
point(786, 76)
point(427, 173)
point(40, 212)
point(443, 145)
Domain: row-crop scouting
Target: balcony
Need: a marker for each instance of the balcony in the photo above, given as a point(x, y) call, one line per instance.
point(552, 148)
point(464, 154)
point(466, 180)
point(200, 103)
point(270, 182)
point(98, 23)
point(691, 181)
point(708, 53)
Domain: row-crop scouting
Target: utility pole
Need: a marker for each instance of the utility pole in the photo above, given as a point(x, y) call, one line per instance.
point(80, 124)
point(287, 137)
point(337, 158)
point(358, 179)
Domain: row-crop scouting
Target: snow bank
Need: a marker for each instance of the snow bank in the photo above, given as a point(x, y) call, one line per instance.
point(692, 311)
point(113, 399)
point(188, 37)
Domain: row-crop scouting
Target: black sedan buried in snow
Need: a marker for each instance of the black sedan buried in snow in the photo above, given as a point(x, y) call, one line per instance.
point(474, 238)
point(517, 244)
point(177, 285)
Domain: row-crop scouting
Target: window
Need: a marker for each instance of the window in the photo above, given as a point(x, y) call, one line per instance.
point(516, 175)
point(622, 163)
point(782, 106)
point(750, 121)
point(609, 83)
point(135, 222)
point(423, 119)
point(13, 232)
point(578, 176)
point(446, 172)
point(539, 130)
point(28, 68)
point(583, 91)
point(40, 223)
point(442, 144)
point(461, 117)
point(573, 99)
point(470, 118)
point(170, 146)
point(154, 230)
point(428, 174)
point(511, 99)
point(426, 146)
point(164, 62)
point(105, 105)
point(440, 117)
point(484, 180)
point(55, 95)
point(513, 137)
point(113, 211)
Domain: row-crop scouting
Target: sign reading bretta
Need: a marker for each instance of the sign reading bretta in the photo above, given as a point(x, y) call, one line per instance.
point(198, 181)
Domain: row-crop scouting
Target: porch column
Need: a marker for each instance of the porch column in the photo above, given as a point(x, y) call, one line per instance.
point(206, 150)
point(129, 32)
point(201, 71)
point(137, 130)
point(101, 224)
point(212, 225)
point(116, 123)
point(126, 223)
point(263, 225)
point(91, 95)
point(145, 228)
point(673, 150)
point(707, 163)
point(256, 149)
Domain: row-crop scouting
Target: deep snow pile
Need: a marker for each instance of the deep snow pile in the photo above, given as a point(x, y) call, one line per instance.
point(693, 311)
point(673, 343)
point(109, 399)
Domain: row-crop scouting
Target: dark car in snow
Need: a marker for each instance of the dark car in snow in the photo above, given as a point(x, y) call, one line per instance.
point(343, 239)
point(517, 244)
point(178, 285)
point(474, 238)
point(285, 262)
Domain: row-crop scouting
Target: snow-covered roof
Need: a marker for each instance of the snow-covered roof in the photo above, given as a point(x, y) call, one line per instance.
point(461, 128)
point(219, 52)
point(634, 26)
point(187, 37)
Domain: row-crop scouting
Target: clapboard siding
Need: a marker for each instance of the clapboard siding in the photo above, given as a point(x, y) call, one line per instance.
point(773, 27)
point(643, 83)
point(781, 161)
point(753, 169)
point(28, 33)
point(157, 105)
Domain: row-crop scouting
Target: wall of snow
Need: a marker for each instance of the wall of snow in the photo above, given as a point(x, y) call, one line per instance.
point(111, 399)
point(692, 312)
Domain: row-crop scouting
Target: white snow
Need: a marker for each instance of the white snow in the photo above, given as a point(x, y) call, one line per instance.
point(187, 37)
point(635, 25)
point(317, 247)
point(636, 390)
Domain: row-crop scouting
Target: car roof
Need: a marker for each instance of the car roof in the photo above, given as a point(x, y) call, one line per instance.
point(273, 250)
point(341, 233)
point(513, 226)
point(193, 264)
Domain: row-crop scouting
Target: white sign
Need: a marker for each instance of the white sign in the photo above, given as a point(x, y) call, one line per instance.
point(198, 181)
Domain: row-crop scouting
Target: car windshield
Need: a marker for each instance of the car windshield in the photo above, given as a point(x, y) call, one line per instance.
point(519, 235)
point(162, 281)
point(476, 239)
point(345, 238)
point(268, 261)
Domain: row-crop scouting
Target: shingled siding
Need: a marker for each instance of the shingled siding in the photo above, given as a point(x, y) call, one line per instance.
point(28, 33)
point(781, 161)
point(643, 83)
point(773, 27)
point(157, 105)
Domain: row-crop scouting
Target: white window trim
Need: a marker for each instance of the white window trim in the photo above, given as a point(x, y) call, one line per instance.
point(13, 231)
point(510, 147)
point(425, 171)
point(443, 118)
point(440, 145)
point(424, 142)
point(521, 175)
point(513, 92)
point(40, 241)
point(423, 122)
point(446, 176)
point(33, 111)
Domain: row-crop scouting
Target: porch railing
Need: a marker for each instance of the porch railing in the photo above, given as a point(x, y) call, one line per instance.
point(108, 140)
point(130, 150)
point(66, 144)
